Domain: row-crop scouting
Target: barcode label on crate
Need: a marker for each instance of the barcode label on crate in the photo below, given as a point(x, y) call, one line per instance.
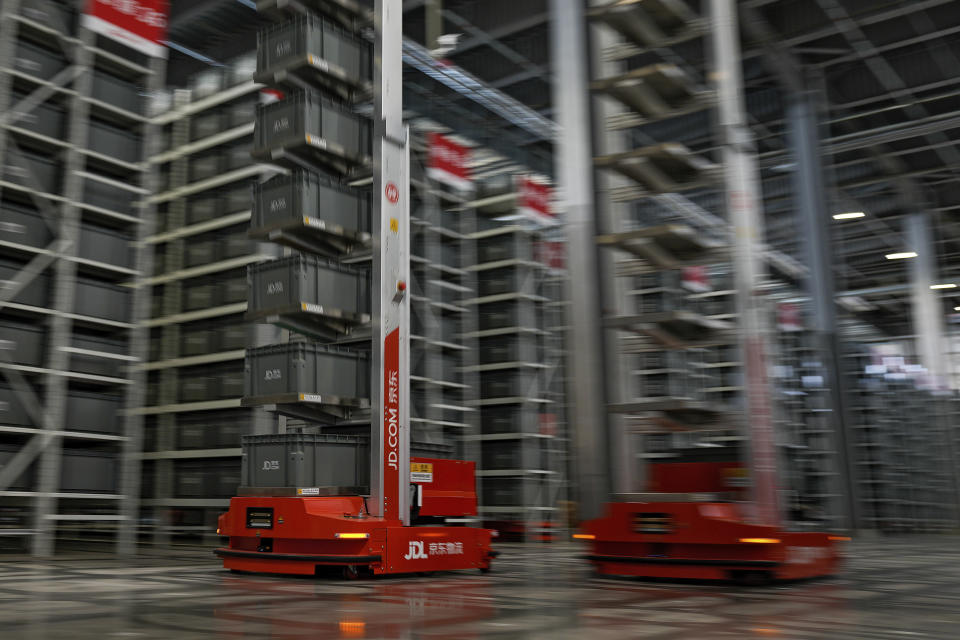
point(421, 472)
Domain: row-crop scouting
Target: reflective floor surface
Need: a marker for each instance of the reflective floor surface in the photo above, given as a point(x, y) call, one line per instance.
point(902, 589)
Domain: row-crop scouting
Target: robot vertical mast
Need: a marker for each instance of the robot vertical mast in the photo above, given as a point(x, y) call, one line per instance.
point(390, 386)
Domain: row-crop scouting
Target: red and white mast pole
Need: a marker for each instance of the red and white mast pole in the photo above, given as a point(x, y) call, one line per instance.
point(390, 313)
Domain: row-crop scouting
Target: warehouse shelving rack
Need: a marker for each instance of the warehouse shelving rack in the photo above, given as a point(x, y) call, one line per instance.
point(905, 439)
point(439, 252)
point(521, 466)
point(72, 141)
point(658, 199)
point(197, 304)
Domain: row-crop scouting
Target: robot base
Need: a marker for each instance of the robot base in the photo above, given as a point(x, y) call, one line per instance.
point(703, 541)
point(297, 535)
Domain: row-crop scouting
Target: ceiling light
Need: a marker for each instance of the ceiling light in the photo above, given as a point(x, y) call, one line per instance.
point(948, 285)
point(901, 255)
point(849, 215)
point(956, 308)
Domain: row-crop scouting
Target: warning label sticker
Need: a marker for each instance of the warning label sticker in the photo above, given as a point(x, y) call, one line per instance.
point(308, 491)
point(421, 472)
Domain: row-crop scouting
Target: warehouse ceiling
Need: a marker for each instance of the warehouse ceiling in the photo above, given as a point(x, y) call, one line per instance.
point(889, 71)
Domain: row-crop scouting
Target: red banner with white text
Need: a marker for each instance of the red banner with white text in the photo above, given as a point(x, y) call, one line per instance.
point(139, 24)
point(447, 161)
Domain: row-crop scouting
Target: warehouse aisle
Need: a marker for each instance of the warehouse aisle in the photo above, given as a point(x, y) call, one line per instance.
point(901, 589)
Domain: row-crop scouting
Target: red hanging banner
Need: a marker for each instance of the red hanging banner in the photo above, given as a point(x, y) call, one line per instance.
point(139, 24)
point(788, 317)
point(533, 200)
point(447, 161)
point(695, 279)
point(551, 253)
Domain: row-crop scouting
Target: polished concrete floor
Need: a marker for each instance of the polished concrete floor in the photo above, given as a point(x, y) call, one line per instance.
point(899, 589)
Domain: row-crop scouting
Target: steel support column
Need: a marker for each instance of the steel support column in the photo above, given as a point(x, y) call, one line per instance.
point(926, 307)
point(63, 295)
point(130, 463)
point(574, 171)
point(744, 207)
point(814, 227)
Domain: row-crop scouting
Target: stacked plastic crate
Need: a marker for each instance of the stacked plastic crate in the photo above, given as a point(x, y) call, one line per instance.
point(321, 212)
point(72, 146)
point(197, 331)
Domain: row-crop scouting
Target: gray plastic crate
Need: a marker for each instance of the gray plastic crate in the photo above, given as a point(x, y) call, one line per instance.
point(663, 360)
point(199, 296)
point(240, 112)
point(505, 280)
point(205, 166)
point(35, 294)
point(88, 472)
point(659, 300)
point(212, 430)
point(107, 196)
point(507, 246)
point(281, 45)
point(235, 200)
point(497, 185)
point(305, 460)
point(306, 279)
point(26, 480)
point(117, 92)
point(289, 122)
point(104, 245)
point(202, 209)
point(23, 226)
point(522, 347)
point(284, 199)
point(205, 125)
point(32, 171)
point(301, 368)
point(233, 290)
point(98, 365)
point(95, 412)
point(45, 119)
point(506, 492)
point(234, 245)
point(12, 409)
point(232, 337)
point(236, 156)
point(48, 13)
point(194, 342)
point(102, 300)
point(206, 83)
point(508, 419)
point(511, 454)
point(22, 343)
point(510, 383)
point(37, 61)
point(513, 313)
point(115, 142)
point(196, 389)
point(200, 252)
point(231, 385)
point(667, 385)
